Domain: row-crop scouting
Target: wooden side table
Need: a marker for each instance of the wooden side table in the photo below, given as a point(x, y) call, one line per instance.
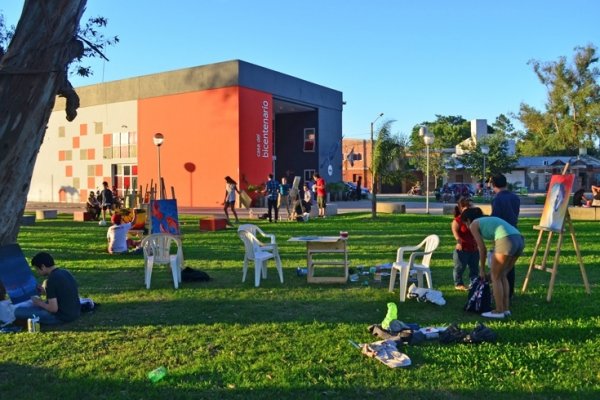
point(322, 245)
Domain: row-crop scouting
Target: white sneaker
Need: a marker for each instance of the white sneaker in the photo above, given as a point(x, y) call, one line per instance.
point(492, 314)
point(507, 313)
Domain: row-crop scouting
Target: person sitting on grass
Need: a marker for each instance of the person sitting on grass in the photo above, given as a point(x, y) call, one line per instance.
point(62, 295)
point(508, 247)
point(118, 243)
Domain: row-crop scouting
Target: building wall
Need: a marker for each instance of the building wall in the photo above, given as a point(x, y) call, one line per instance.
point(214, 118)
point(292, 160)
point(72, 161)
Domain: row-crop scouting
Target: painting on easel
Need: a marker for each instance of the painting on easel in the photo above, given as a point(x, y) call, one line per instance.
point(557, 201)
point(164, 218)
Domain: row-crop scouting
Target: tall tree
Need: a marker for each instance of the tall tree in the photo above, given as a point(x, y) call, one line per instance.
point(572, 112)
point(389, 159)
point(497, 161)
point(33, 71)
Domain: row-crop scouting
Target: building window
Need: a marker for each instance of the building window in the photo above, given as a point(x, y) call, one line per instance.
point(124, 178)
point(357, 156)
point(310, 138)
point(122, 145)
point(308, 175)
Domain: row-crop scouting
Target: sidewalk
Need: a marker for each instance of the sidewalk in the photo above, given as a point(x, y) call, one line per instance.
point(412, 207)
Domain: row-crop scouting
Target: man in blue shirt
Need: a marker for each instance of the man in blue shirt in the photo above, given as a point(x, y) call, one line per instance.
point(506, 205)
point(272, 192)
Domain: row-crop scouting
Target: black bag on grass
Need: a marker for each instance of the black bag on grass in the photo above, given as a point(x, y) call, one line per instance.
point(480, 297)
point(194, 275)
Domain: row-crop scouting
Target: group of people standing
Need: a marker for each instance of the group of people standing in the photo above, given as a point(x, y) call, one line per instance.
point(281, 195)
point(105, 200)
point(471, 229)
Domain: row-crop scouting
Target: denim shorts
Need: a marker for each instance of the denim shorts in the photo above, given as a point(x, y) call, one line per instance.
point(511, 245)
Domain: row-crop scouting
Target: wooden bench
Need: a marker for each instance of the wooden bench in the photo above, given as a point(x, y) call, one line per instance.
point(212, 223)
point(391, 208)
point(81, 216)
point(46, 214)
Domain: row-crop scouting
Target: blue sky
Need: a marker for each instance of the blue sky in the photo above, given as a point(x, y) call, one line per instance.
point(408, 59)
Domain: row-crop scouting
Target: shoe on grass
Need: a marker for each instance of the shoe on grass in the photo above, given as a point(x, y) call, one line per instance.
point(491, 314)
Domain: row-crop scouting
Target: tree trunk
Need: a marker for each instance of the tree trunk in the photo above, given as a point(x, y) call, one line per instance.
point(32, 73)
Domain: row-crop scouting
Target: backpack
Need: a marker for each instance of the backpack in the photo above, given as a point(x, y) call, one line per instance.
point(480, 297)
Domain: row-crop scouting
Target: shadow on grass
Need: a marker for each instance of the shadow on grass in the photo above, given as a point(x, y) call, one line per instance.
point(209, 384)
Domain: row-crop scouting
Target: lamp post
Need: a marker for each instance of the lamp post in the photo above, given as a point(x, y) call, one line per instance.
point(158, 140)
point(485, 150)
point(428, 139)
point(373, 176)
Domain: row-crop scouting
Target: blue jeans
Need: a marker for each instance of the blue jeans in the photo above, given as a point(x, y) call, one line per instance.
point(46, 317)
point(462, 259)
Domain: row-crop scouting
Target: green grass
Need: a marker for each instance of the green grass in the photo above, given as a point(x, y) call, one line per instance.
point(227, 339)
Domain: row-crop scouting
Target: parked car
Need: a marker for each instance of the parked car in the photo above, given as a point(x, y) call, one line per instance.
point(350, 192)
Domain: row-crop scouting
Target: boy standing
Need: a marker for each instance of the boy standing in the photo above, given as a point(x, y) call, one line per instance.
point(321, 194)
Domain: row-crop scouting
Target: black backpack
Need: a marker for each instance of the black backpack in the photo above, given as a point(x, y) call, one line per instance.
point(480, 297)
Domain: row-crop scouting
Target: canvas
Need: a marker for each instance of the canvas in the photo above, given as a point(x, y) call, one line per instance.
point(557, 201)
point(16, 275)
point(164, 217)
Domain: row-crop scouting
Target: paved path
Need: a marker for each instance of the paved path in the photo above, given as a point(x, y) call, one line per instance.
point(412, 207)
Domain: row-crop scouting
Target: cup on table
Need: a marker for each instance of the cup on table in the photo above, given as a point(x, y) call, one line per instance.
point(343, 234)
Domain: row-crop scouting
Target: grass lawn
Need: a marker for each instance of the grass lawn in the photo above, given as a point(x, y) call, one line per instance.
point(228, 339)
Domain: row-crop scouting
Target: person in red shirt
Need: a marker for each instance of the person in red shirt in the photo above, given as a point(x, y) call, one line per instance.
point(465, 252)
point(321, 194)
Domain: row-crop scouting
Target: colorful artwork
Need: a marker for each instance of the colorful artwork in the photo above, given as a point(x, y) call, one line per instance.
point(557, 200)
point(15, 274)
point(164, 218)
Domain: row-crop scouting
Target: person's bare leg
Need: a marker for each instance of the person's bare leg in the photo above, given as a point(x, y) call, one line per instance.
point(510, 264)
point(499, 281)
point(226, 213)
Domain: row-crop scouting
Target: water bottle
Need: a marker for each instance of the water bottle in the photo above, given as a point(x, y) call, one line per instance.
point(157, 374)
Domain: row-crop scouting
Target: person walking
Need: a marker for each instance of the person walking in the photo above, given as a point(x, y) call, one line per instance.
point(321, 194)
point(508, 247)
point(284, 196)
point(229, 201)
point(505, 205)
point(272, 192)
point(465, 252)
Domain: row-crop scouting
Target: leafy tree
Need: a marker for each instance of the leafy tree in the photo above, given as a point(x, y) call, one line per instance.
point(497, 161)
point(572, 112)
point(389, 159)
point(33, 71)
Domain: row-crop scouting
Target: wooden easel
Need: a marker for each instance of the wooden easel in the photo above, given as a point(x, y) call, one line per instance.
point(554, 270)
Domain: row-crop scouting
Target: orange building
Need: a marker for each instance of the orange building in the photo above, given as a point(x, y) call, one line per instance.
point(232, 118)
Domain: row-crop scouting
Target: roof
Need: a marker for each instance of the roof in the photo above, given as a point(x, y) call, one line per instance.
point(555, 161)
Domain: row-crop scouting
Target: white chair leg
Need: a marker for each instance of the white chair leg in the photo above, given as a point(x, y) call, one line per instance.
point(148, 270)
point(258, 266)
point(174, 270)
point(264, 269)
point(403, 281)
point(428, 278)
point(245, 269)
point(420, 278)
point(392, 279)
point(279, 267)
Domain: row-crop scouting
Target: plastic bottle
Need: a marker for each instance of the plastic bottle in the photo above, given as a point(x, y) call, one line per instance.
point(157, 374)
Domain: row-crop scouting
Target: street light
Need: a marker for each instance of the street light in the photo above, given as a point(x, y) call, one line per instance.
point(485, 150)
point(373, 176)
point(428, 139)
point(158, 140)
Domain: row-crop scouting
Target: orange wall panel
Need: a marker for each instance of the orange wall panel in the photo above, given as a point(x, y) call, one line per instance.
point(200, 129)
point(83, 129)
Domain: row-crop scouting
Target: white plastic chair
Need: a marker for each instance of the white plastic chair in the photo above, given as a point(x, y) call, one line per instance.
point(255, 230)
point(418, 262)
point(157, 250)
point(255, 251)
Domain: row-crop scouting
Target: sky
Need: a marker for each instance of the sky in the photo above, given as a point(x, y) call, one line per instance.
point(411, 60)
